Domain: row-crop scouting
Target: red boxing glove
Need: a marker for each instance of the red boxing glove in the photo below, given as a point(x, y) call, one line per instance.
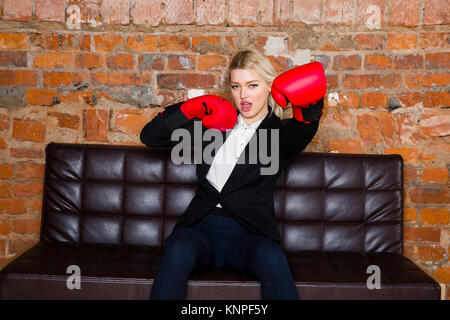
point(215, 112)
point(300, 86)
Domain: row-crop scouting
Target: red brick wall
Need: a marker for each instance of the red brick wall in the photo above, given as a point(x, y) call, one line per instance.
point(95, 71)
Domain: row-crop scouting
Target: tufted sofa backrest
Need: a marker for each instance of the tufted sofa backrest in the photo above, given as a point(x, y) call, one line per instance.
point(132, 196)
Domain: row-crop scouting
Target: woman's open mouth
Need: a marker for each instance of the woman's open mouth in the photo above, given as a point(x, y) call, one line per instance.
point(246, 106)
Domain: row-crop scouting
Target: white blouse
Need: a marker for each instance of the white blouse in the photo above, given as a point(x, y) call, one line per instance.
point(228, 154)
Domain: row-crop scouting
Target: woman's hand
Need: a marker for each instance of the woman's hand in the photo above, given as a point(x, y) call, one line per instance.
point(303, 87)
point(215, 112)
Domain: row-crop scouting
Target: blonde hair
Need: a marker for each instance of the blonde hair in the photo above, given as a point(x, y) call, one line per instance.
point(254, 60)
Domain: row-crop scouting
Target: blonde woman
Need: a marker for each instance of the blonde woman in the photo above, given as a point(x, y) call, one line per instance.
point(230, 221)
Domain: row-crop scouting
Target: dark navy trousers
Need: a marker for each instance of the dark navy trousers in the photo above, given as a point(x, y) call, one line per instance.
point(219, 241)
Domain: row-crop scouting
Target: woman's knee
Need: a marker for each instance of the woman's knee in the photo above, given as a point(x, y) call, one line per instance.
point(183, 248)
point(268, 253)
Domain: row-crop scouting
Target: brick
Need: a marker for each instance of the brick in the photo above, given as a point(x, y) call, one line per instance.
point(5, 228)
point(29, 171)
point(354, 81)
point(44, 97)
point(147, 12)
point(408, 154)
point(174, 43)
point(306, 11)
point(13, 41)
point(436, 12)
point(26, 226)
point(96, 125)
point(410, 215)
point(65, 42)
point(430, 80)
point(352, 62)
point(143, 43)
point(404, 13)
point(427, 253)
point(13, 58)
point(442, 274)
point(340, 12)
point(185, 81)
point(437, 60)
point(114, 79)
point(409, 99)
point(89, 61)
point(434, 216)
point(378, 62)
point(3, 144)
point(422, 234)
point(62, 78)
point(368, 129)
point(281, 12)
point(436, 99)
point(435, 125)
point(210, 12)
point(5, 190)
point(374, 99)
point(407, 129)
point(149, 62)
point(65, 120)
point(26, 153)
point(206, 44)
point(28, 130)
point(18, 10)
point(11, 97)
point(348, 100)
point(178, 11)
point(51, 10)
point(182, 62)
point(242, 13)
point(121, 61)
point(34, 205)
point(371, 13)
point(4, 122)
point(408, 61)
point(402, 41)
point(345, 146)
point(130, 121)
point(429, 194)
point(6, 171)
point(435, 175)
point(212, 62)
point(28, 189)
point(434, 40)
point(115, 11)
point(369, 41)
point(109, 43)
point(385, 122)
point(53, 60)
point(18, 78)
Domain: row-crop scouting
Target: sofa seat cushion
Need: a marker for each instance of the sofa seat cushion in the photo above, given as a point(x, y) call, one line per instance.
point(128, 273)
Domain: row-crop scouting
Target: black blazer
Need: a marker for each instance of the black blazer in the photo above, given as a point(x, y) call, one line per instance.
point(247, 195)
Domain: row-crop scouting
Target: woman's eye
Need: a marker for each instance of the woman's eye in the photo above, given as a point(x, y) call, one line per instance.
point(253, 85)
point(234, 87)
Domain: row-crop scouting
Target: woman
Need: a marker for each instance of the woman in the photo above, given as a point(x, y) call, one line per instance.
point(230, 221)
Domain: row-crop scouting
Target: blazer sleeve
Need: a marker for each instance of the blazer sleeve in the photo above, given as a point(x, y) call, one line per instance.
point(296, 135)
point(157, 133)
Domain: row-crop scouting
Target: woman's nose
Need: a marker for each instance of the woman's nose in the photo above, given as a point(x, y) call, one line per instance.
point(243, 93)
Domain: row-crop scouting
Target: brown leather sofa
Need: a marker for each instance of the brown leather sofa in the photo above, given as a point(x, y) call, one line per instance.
point(107, 210)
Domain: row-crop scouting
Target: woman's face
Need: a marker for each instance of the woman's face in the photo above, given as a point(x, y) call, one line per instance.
point(250, 94)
